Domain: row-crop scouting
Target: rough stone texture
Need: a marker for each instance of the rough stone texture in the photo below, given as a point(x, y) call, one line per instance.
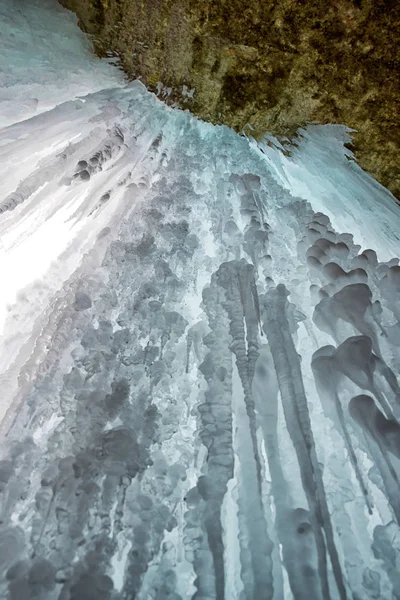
point(267, 66)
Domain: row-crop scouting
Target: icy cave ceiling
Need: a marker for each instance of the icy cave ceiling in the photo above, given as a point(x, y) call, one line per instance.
point(265, 65)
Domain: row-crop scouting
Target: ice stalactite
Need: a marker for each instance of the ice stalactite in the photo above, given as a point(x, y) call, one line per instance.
point(236, 294)
point(327, 379)
point(216, 435)
point(377, 431)
point(294, 531)
point(287, 366)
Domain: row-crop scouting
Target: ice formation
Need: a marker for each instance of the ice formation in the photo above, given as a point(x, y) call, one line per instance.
point(200, 343)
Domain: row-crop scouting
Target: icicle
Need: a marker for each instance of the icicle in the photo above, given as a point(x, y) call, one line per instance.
point(287, 366)
point(363, 410)
point(326, 377)
point(216, 435)
point(294, 530)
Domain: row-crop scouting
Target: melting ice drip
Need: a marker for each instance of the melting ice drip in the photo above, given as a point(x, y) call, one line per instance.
point(199, 380)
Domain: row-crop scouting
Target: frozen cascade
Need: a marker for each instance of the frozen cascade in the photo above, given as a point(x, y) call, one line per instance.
point(200, 346)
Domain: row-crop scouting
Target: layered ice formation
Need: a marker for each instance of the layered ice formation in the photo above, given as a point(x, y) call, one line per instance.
point(199, 346)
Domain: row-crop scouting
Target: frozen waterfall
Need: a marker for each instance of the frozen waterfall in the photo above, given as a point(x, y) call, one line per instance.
point(199, 346)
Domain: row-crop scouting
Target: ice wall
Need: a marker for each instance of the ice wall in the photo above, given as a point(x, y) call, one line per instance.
point(198, 360)
point(45, 60)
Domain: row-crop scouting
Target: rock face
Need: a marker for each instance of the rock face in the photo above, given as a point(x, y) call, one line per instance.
point(266, 66)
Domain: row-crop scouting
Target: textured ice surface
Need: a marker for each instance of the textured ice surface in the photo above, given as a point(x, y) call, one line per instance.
point(199, 349)
point(43, 60)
